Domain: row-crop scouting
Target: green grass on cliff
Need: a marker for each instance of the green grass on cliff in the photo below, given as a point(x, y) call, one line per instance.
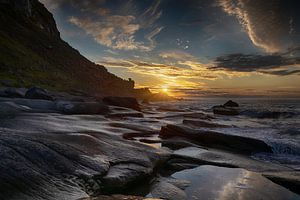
point(25, 68)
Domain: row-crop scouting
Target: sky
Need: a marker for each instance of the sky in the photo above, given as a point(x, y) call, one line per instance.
point(193, 47)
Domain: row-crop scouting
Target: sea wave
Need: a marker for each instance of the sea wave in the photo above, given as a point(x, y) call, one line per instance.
point(291, 148)
point(268, 114)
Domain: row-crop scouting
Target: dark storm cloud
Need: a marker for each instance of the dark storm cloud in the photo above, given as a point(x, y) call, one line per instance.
point(270, 24)
point(282, 72)
point(276, 64)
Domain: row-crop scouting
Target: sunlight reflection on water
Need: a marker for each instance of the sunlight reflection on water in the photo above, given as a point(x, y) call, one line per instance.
point(210, 182)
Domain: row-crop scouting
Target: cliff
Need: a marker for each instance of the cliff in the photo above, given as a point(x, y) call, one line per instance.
point(33, 53)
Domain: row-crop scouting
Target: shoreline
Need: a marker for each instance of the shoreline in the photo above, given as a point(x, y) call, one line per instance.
point(92, 154)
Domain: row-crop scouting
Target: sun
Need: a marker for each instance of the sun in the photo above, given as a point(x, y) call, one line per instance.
point(165, 89)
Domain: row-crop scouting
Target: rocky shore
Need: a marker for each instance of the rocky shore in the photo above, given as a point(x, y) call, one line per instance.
point(62, 146)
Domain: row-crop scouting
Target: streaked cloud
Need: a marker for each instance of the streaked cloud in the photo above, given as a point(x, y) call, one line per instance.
point(275, 64)
point(183, 74)
point(114, 31)
point(176, 55)
point(266, 22)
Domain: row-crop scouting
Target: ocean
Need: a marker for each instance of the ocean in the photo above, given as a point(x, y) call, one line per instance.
point(273, 120)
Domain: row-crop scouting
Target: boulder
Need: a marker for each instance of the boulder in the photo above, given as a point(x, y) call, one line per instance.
point(81, 108)
point(37, 105)
point(38, 93)
point(222, 110)
point(200, 156)
point(13, 92)
point(231, 103)
point(127, 102)
point(117, 197)
point(167, 190)
point(215, 139)
point(288, 179)
point(11, 109)
point(58, 165)
point(121, 176)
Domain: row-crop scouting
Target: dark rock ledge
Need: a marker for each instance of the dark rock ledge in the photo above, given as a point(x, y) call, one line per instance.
point(213, 139)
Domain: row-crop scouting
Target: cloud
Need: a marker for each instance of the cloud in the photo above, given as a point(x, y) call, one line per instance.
point(176, 55)
point(267, 23)
point(150, 15)
point(282, 72)
point(115, 31)
point(275, 64)
point(171, 74)
point(119, 31)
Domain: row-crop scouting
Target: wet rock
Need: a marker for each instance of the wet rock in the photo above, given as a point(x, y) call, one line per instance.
point(117, 197)
point(194, 155)
point(288, 179)
point(165, 189)
point(38, 93)
point(175, 143)
point(133, 135)
point(127, 102)
point(231, 103)
point(122, 115)
point(222, 110)
point(70, 165)
point(121, 176)
point(13, 92)
point(215, 139)
point(11, 109)
point(132, 126)
point(210, 182)
point(202, 123)
point(37, 105)
point(80, 108)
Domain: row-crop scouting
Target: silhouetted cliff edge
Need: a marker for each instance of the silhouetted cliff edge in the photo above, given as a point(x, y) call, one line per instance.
point(32, 53)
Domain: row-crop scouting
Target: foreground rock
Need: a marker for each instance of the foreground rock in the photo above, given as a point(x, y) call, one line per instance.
point(210, 182)
point(35, 105)
point(167, 188)
point(38, 93)
point(127, 102)
point(12, 92)
point(217, 140)
point(11, 109)
point(42, 157)
point(288, 179)
point(78, 108)
point(117, 197)
point(200, 156)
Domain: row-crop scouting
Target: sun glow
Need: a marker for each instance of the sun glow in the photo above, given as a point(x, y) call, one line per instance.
point(165, 89)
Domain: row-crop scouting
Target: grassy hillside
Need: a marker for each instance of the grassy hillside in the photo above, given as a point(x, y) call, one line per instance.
point(32, 53)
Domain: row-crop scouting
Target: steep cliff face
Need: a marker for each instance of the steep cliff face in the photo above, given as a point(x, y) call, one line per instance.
point(32, 53)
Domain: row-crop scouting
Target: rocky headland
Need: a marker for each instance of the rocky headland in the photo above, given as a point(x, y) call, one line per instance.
point(85, 142)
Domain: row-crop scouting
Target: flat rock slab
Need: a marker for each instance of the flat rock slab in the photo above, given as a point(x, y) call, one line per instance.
point(52, 156)
point(215, 139)
point(288, 179)
point(225, 159)
point(203, 123)
point(118, 197)
point(210, 182)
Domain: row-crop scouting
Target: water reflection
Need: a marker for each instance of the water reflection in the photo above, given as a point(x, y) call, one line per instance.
point(210, 182)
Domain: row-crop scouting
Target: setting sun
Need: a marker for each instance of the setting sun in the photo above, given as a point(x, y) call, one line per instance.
point(165, 89)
